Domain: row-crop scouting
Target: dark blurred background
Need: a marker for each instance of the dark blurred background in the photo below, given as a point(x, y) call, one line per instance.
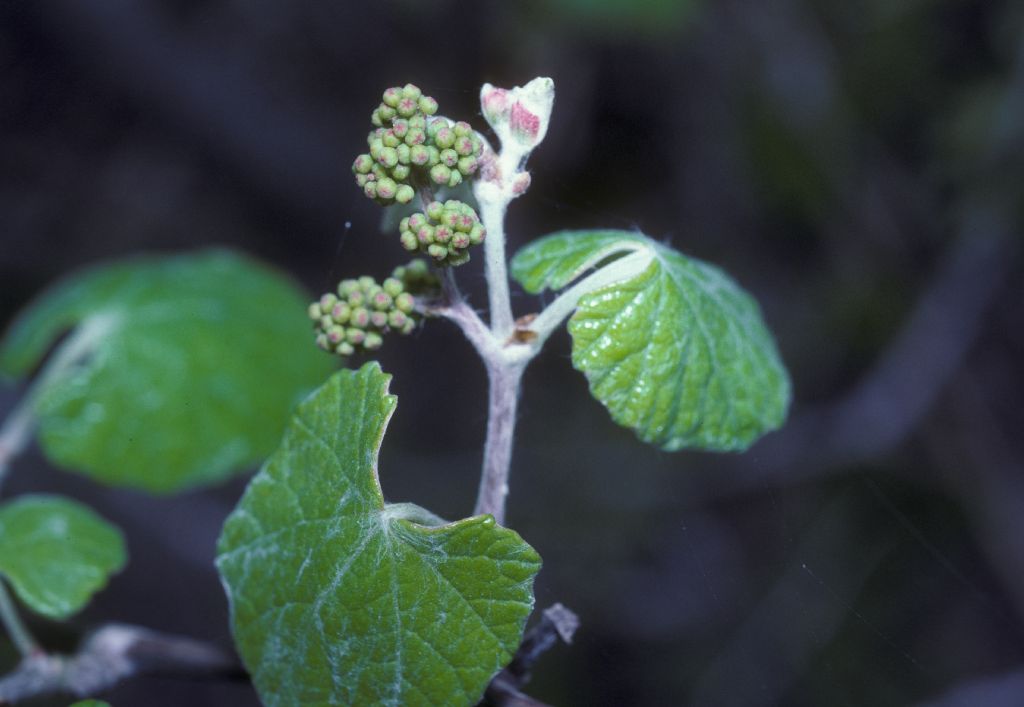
point(856, 164)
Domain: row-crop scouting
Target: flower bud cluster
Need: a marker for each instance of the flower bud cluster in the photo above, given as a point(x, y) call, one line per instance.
point(410, 144)
point(361, 312)
point(445, 232)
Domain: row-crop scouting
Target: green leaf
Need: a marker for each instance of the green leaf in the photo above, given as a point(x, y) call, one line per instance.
point(90, 703)
point(672, 346)
point(195, 362)
point(57, 553)
point(339, 598)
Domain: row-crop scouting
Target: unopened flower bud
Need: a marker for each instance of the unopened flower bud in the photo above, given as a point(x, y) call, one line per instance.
point(393, 286)
point(373, 341)
point(355, 336)
point(379, 320)
point(345, 349)
point(427, 105)
point(409, 241)
point(314, 311)
point(381, 300)
point(340, 312)
point(440, 174)
point(438, 252)
point(327, 301)
point(405, 303)
point(404, 194)
point(435, 209)
point(392, 96)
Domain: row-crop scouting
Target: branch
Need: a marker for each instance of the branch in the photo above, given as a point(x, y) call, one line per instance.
point(556, 622)
point(112, 654)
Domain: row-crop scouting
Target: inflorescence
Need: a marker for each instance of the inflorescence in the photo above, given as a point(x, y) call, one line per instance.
point(444, 232)
point(362, 311)
point(411, 146)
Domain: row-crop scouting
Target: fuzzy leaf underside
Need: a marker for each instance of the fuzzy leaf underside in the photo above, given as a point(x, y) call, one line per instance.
point(339, 598)
point(56, 553)
point(678, 352)
point(202, 358)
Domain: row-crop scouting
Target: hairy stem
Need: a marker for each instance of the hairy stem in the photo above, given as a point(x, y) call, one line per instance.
point(16, 629)
point(501, 422)
point(495, 269)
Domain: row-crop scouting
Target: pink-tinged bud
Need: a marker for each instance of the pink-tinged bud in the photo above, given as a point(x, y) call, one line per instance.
point(521, 183)
point(521, 114)
point(379, 319)
point(392, 96)
point(495, 104)
point(525, 125)
point(461, 240)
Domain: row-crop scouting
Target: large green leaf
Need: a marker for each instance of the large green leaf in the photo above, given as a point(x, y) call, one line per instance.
point(339, 598)
point(57, 553)
point(672, 346)
point(195, 362)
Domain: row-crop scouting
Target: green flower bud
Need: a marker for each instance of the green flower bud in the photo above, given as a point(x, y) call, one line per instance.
point(356, 299)
point(476, 234)
point(400, 128)
point(386, 188)
point(468, 165)
point(427, 105)
point(434, 125)
point(404, 194)
point(379, 320)
point(434, 210)
point(409, 326)
point(409, 241)
point(340, 312)
point(416, 136)
point(403, 153)
point(454, 178)
point(370, 189)
point(400, 172)
point(327, 301)
point(386, 113)
point(393, 286)
point(433, 155)
point(365, 283)
point(363, 164)
point(362, 179)
point(355, 336)
point(375, 117)
point(412, 91)
point(322, 342)
point(460, 240)
point(425, 235)
point(345, 349)
point(389, 139)
point(392, 96)
point(444, 137)
point(440, 174)
point(458, 258)
point(373, 341)
point(381, 300)
point(464, 146)
point(315, 312)
point(403, 225)
point(359, 318)
point(405, 303)
point(442, 234)
point(419, 155)
point(397, 318)
point(462, 129)
point(438, 252)
point(335, 334)
point(376, 145)
point(347, 287)
point(388, 157)
point(418, 122)
point(449, 157)
point(407, 107)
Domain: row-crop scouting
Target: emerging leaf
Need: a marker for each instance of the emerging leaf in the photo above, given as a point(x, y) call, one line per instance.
point(194, 364)
point(57, 553)
point(339, 598)
point(673, 347)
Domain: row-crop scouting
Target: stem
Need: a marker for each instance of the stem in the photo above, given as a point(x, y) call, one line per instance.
point(501, 422)
point(492, 214)
point(17, 428)
point(16, 629)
